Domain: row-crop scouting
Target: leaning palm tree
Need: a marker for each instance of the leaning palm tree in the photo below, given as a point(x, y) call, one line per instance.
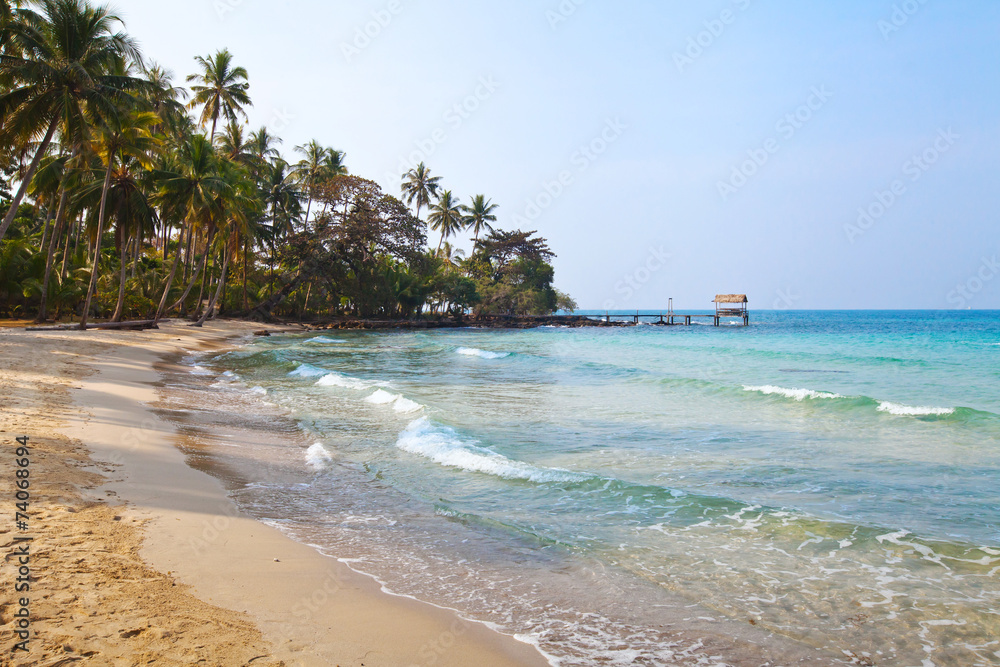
point(309, 170)
point(189, 188)
point(66, 63)
point(221, 89)
point(446, 217)
point(420, 187)
point(238, 204)
point(480, 215)
point(121, 138)
point(128, 207)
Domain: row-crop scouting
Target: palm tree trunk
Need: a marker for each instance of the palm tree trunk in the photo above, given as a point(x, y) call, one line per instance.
point(187, 258)
point(123, 261)
point(246, 259)
point(308, 208)
point(45, 230)
point(26, 181)
point(170, 279)
point(97, 244)
point(218, 291)
point(194, 279)
point(56, 233)
point(78, 226)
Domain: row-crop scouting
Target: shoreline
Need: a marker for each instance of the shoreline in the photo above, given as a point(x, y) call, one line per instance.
point(283, 601)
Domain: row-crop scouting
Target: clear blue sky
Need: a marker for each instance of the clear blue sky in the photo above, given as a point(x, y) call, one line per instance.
point(874, 83)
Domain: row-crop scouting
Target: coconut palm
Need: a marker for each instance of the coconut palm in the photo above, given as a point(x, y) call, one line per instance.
point(66, 69)
point(238, 206)
point(309, 170)
point(446, 217)
point(165, 99)
point(480, 215)
point(420, 187)
point(221, 89)
point(128, 208)
point(188, 191)
point(123, 138)
point(283, 202)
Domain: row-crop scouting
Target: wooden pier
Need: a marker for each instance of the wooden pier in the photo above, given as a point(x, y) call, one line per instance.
point(727, 307)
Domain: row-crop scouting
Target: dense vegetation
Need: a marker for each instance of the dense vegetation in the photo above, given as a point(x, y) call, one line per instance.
point(124, 196)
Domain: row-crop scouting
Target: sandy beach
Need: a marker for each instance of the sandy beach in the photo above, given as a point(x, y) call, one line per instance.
point(138, 558)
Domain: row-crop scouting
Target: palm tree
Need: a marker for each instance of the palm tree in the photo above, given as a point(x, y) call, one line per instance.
point(446, 217)
point(67, 63)
point(420, 187)
point(125, 137)
point(263, 146)
point(310, 168)
point(129, 208)
point(188, 191)
point(221, 90)
point(165, 99)
point(284, 201)
point(480, 215)
point(238, 206)
point(234, 146)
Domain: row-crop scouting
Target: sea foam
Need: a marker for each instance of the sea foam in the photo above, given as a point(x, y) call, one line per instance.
point(398, 403)
point(911, 411)
point(444, 446)
point(796, 394)
point(342, 381)
point(318, 457)
point(307, 371)
point(482, 354)
point(323, 340)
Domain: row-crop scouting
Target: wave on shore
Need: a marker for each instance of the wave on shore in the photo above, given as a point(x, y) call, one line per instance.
point(444, 446)
point(482, 354)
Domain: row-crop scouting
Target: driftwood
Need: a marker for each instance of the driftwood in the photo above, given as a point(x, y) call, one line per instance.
point(137, 325)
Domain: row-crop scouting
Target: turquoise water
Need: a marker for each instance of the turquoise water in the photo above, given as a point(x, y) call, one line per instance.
point(829, 481)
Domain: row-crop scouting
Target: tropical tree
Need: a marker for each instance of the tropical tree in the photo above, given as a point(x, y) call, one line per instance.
point(221, 89)
point(310, 168)
point(420, 187)
point(480, 215)
point(446, 217)
point(66, 70)
point(188, 191)
point(122, 138)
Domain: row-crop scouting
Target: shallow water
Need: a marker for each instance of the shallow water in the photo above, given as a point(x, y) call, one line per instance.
point(817, 488)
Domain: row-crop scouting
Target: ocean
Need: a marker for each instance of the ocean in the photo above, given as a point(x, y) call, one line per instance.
point(817, 488)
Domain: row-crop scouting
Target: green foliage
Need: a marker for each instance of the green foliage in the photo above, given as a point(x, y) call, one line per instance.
point(111, 165)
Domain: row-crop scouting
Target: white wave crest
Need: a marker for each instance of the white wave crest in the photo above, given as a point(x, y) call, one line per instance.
point(398, 403)
point(482, 354)
point(442, 445)
point(258, 391)
point(201, 370)
point(382, 397)
point(307, 371)
point(406, 406)
point(342, 381)
point(318, 457)
point(323, 340)
point(911, 411)
point(796, 394)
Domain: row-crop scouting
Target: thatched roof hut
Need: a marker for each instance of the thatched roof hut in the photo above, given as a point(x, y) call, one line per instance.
point(731, 298)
